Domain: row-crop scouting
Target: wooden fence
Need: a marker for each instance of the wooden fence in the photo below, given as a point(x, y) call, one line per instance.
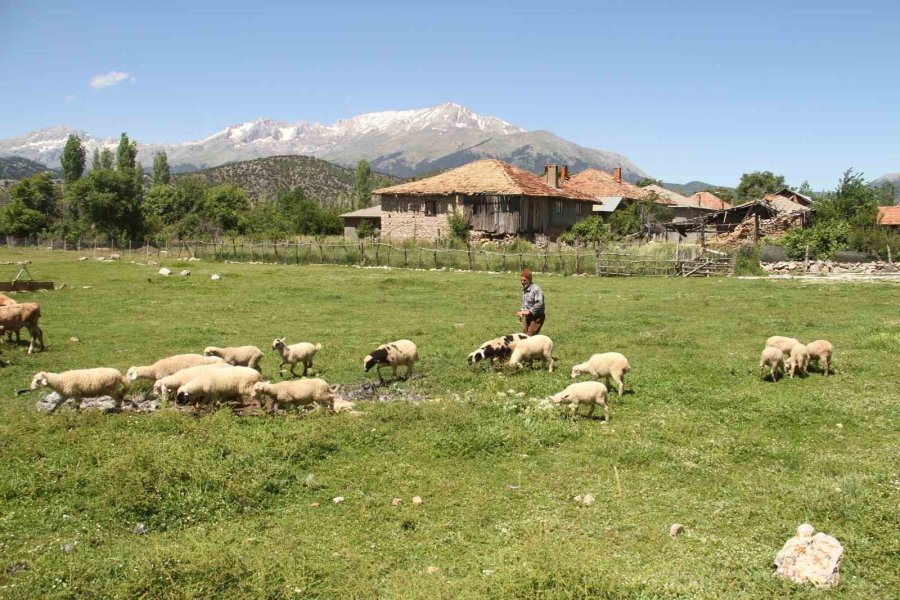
point(604, 261)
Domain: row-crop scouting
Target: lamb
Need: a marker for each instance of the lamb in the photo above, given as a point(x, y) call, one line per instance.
point(497, 348)
point(607, 364)
point(218, 384)
point(799, 360)
point(169, 365)
point(821, 349)
point(395, 354)
point(164, 385)
point(591, 393)
point(240, 356)
point(14, 317)
point(773, 358)
point(782, 343)
point(295, 353)
point(538, 347)
point(7, 301)
point(83, 383)
point(302, 392)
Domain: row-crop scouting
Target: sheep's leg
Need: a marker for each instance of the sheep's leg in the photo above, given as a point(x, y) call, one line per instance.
point(281, 368)
point(825, 365)
point(774, 370)
point(549, 360)
point(293, 372)
point(409, 370)
point(378, 370)
point(620, 383)
point(306, 367)
point(394, 370)
point(606, 411)
point(591, 410)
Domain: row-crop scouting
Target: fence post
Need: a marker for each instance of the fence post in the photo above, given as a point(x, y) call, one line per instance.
point(577, 260)
point(806, 261)
point(469, 252)
point(597, 259)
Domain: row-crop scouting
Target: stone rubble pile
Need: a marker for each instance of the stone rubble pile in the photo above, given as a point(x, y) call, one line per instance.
point(820, 267)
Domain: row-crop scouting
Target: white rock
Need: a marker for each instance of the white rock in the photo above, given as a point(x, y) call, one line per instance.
point(165, 272)
point(585, 500)
point(675, 529)
point(417, 500)
point(808, 558)
point(83, 258)
point(338, 499)
point(216, 277)
point(152, 263)
point(115, 257)
point(185, 273)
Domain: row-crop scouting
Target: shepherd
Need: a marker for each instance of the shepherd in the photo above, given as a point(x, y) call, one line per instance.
point(532, 313)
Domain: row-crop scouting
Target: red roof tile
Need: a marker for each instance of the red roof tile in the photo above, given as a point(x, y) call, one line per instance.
point(889, 215)
point(709, 200)
point(601, 184)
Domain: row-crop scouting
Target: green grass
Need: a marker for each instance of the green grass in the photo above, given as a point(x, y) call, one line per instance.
point(700, 441)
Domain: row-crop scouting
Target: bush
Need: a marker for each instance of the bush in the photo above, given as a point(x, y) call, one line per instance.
point(823, 239)
point(459, 226)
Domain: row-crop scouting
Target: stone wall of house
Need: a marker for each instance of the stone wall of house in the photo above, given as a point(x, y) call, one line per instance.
point(408, 218)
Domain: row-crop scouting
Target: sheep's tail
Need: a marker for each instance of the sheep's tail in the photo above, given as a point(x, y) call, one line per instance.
point(318, 347)
point(627, 366)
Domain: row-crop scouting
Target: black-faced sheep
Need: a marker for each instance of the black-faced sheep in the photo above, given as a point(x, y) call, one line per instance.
point(496, 349)
point(216, 385)
point(536, 347)
point(301, 352)
point(83, 383)
point(301, 392)
point(591, 393)
point(238, 356)
point(606, 364)
point(395, 354)
point(773, 358)
point(821, 350)
point(170, 365)
point(799, 360)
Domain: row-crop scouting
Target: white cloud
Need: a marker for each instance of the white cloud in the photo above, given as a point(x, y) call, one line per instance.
point(109, 79)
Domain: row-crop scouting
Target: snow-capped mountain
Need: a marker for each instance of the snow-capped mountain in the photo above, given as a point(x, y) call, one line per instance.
point(403, 143)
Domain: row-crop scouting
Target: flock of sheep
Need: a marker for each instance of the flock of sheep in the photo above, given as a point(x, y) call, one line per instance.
point(799, 356)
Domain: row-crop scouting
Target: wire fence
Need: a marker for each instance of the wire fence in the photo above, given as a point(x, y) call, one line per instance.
point(606, 260)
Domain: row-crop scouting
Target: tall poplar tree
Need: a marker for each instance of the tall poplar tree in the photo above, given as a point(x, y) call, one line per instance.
point(73, 159)
point(126, 154)
point(161, 173)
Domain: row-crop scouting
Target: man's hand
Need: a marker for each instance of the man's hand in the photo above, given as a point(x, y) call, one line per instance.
point(522, 314)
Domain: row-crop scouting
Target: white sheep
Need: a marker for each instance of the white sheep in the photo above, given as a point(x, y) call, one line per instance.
point(302, 352)
point(166, 384)
point(591, 393)
point(300, 392)
point(773, 358)
point(606, 364)
point(536, 347)
point(15, 317)
point(782, 343)
point(395, 354)
point(497, 348)
point(799, 360)
point(238, 356)
point(83, 383)
point(821, 349)
point(169, 365)
point(216, 385)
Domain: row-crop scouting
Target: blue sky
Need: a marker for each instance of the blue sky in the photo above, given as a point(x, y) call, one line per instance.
point(687, 90)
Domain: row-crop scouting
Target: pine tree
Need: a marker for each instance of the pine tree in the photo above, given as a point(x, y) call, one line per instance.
point(362, 190)
point(72, 159)
point(126, 154)
point(161, 174)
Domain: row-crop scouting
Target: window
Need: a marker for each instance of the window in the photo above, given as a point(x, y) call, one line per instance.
point(430, 208)
point(559, 207)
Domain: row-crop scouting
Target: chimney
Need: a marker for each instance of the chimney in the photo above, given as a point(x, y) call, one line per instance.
point(565, 172)
point(617, 174)
point(551, 175)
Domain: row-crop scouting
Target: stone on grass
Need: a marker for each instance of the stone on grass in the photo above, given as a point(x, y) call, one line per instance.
point(165, 272)
point(216, 277)
point(675, 529)
point(432, 570)
point(83, 258)
point(185, 273)
point(314, 505)
point(808, 558)
point(152, 263)
point(140, 529)
point(115, 257)
point(585, 500)
point(396, 502)
point(417, 500)
point(68, 547)
point(338, 499)
point(74, 339)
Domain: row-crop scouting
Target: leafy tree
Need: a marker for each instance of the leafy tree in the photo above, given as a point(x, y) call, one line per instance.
point(725, 194)
point(362, 189)
point(754, 186)
point(73, 159)
point(266, 222)
point(31, 208)
point(645, 181)
point(106, 159)
point(161, 173)
point(126, 154)
point(306, 216)
point(95, 160)
point(641, 218)
point(106, 202)
point(223, 206)
point(365, 230)
point(459, 226)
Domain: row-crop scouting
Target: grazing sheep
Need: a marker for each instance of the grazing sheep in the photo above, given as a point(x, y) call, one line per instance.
point(164, 385)
point(14, 317)
point(799, 360)
point(773, 358)
point(169, 365)
point(83, 383)
point(295, 353)
point(782, 343)
point(395, 354)
point(591, 393)
point(301, 392)
point(216, 385)
point(821, 349)
point(7, 301)
point(239, 356)
point(497, 348)
point(607, 364)
point(538, 347)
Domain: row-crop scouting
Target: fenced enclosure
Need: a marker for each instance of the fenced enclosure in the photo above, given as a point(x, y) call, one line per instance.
point(608, 260)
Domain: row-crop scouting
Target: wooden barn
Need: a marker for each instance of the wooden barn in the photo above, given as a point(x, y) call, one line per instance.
point(496, 199)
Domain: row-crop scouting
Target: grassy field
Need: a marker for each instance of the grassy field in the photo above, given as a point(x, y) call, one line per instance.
point(700, 440)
